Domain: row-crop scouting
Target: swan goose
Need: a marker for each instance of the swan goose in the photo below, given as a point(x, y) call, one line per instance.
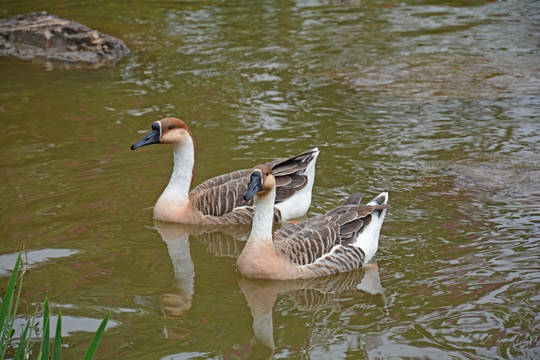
point(341, 240)
point(219, 200)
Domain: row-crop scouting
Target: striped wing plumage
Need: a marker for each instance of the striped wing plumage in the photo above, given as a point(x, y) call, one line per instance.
point(324, 244)
point(223, 194)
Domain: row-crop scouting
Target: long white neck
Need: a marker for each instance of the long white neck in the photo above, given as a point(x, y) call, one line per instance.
point(264, 329)
point(180, 182)
point(184, 268)
point(262, 229)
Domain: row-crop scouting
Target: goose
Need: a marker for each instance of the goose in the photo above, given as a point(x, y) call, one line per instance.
point(341, 240)
point(219, 200)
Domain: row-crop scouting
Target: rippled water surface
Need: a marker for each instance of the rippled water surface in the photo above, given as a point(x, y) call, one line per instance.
point(437, 102)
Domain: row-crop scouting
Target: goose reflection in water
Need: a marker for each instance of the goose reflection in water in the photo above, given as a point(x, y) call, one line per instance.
point(222, 241)
point(307, 295)
point(175, 305)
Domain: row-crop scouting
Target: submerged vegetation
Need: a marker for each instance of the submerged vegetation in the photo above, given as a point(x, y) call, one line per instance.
point(8, 312)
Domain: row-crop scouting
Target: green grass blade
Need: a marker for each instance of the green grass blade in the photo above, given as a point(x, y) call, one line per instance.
point(57, 348)
point(96, 339)
point(21, 350)
point(45, 338)
point(19, 290)
point(22, 271)
point(5, 309)
point(30, 341)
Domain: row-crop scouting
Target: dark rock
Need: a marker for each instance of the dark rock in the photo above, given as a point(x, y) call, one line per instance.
point(48, 38)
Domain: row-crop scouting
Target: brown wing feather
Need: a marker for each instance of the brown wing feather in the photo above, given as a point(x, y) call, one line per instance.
point(342, 258)
point(315, 239)
point(293, 164)
point(222, 194)
point(305, 242)
point(283, 181)
point(221, 180)
point(241, 215)
point(222, 199)
point(289, 174)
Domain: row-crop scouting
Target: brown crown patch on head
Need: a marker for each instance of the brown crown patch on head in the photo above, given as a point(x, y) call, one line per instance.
point(174, 131)
point(171, 123)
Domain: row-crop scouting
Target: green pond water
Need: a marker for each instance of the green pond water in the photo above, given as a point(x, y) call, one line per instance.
point(437, 102)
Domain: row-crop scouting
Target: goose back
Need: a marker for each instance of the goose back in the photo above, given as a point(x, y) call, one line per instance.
point(325, 244)
point(222, 196)
point(326, 241)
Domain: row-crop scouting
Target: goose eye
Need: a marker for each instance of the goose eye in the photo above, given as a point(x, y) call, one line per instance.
point(170, 127)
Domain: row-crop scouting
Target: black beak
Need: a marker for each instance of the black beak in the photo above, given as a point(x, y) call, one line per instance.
point(152, 137)
point(254, 186)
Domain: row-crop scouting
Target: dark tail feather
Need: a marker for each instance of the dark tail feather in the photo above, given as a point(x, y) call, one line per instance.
point(354, 199)
point(378, 200)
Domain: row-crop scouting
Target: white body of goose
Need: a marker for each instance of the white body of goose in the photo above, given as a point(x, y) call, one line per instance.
point(338, 241)
point(219, 200)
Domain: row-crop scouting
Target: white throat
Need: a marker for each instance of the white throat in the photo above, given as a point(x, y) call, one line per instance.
point(184, 159)
point(263, 219)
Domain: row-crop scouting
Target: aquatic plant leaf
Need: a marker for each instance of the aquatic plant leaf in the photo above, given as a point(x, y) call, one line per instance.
point(21, 349)
point(45, 338)
point(96, 339)
point(57, 348)
point(5, 309)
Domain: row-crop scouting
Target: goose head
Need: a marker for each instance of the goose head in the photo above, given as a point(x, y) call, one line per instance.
point(166, 131)
point(261, 182)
